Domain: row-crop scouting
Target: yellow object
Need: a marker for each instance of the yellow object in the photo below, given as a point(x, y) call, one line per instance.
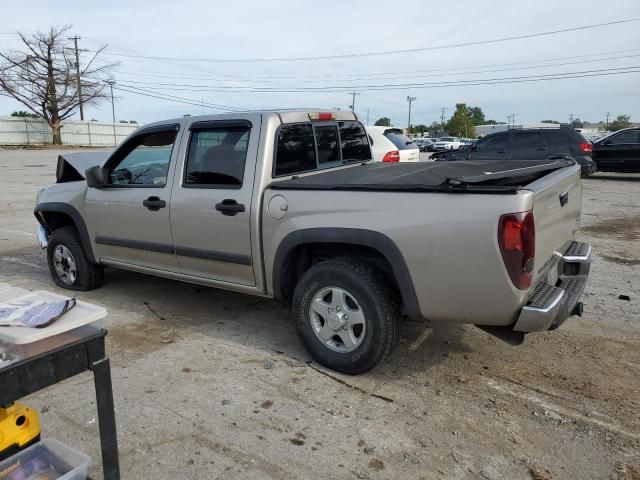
point(19, 427)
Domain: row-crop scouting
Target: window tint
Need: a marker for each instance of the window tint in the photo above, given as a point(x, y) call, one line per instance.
point(296, 150)
point(402, 142)
point(497, 142)
point(556, 138)
point(146, 162)
point(353, 141)
point(327, 142)
point(631, 136)
point(528, 140)
point(217, 156)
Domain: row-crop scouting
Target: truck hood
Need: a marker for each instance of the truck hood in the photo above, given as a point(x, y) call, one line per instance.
point(71, 166)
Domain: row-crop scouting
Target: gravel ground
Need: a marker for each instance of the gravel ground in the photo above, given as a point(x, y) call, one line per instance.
point(212, 384)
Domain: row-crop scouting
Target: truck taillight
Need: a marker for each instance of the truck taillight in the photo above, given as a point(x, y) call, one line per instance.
point(517, 241)
point(393, 156)
point(586, 147)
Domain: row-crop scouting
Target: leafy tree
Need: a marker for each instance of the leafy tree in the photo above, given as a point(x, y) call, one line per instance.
point(461, 122)
point(135, 122)
point(23, 114)
point(493, 122)
point(383, 122)
point(123, 121)
point(550, 121)
point(576, 123)
point(418, 129)
point(42, 76)
point(621, 121)
point(477, 115)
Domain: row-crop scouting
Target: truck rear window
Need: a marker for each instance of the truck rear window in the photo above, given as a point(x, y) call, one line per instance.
point(304, 147)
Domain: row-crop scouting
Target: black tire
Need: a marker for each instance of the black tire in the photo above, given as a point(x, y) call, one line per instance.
point(88, 276)
point(375, 298)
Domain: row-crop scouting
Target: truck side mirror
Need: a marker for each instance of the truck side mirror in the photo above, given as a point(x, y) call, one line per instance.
point(97, 177)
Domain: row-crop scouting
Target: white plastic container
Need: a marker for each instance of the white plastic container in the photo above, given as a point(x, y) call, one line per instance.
point(57, 461)
point(83, 320)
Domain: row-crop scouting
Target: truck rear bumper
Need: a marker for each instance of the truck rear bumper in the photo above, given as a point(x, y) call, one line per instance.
point(549, 306)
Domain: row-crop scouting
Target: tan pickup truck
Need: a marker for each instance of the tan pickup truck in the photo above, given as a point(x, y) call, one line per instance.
point(289, 205)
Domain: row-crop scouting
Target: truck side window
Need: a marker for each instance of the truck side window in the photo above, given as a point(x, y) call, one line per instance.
point(146, 161)
point(296, 150)
point(217, 156)
point(353, 141)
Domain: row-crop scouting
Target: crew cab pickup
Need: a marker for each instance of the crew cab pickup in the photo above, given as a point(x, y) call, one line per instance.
point(289, 205)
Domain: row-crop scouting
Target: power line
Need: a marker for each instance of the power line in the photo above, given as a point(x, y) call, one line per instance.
point(383, 52)
point(399, 86)
point(186, 101)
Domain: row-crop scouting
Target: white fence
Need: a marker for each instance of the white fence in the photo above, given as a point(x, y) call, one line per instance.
point(31, 131)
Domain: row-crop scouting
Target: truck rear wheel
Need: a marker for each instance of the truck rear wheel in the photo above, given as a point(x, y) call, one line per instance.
point(346, 315)
point(68, 264)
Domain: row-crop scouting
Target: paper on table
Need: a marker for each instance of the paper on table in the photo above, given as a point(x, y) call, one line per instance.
point(34, 313)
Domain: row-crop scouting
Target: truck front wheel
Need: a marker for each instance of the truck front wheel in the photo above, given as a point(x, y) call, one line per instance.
point(69, 266)
point(346, 315)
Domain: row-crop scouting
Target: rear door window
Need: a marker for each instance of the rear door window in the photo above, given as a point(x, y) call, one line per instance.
point(528, 140)
point(497, 142)
point(401, 141)
point(217, 156)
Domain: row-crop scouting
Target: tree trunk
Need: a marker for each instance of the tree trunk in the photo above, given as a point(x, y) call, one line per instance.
point(55, 130)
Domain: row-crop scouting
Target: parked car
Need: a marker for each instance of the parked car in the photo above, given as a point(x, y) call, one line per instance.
point(389, 144)
point(528, 144)
point(424, 144)
point(288, 205)
point(618, 152)
point(447, 143)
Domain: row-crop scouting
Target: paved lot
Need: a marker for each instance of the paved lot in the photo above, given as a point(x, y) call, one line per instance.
point(211, 384)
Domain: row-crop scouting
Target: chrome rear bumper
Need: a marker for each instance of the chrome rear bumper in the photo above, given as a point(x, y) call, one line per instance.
point(549, 306)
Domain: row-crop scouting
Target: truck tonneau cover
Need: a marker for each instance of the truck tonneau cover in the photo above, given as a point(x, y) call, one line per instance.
point(484, 176)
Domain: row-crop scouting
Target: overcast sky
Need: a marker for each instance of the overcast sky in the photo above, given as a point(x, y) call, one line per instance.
point(253, 29)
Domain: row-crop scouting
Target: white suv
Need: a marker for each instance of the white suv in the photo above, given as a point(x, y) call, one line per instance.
point(389, 144)
point(447, 143)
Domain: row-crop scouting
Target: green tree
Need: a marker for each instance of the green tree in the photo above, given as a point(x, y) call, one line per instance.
point(418, 129)
point(577, 123)
point(477, 115)
point(383, 122)
point(550, 121)
point(492, 122)
point(621, 121)
point(461, 122)
point(23, 114)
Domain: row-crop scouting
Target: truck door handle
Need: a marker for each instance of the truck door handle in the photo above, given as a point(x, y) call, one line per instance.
point(229, 207)
point(543, 149)
point(154, 203)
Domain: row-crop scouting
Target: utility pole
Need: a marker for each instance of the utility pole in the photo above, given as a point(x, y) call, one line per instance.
point(75, 43)
point(410, 100)
point(367, 116)
point(353, 100)
point(570, 118)
point(513, 120)
point(111, 83)
point(442, 110)
point(607, 124)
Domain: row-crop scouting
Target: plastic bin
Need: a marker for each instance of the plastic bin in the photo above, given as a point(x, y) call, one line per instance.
point(50, 459)
point(83, 320)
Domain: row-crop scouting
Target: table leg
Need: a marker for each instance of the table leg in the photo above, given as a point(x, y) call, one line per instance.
point(106, 419)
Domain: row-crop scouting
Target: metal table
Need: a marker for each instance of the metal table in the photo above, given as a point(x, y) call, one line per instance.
point(28, 376)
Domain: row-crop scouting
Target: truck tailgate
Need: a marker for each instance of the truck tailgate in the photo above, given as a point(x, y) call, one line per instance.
point(557, 204)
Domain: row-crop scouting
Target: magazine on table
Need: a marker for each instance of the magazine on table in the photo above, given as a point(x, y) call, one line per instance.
point(33, 313)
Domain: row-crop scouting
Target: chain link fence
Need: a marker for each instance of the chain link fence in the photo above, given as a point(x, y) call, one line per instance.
point(31, 131)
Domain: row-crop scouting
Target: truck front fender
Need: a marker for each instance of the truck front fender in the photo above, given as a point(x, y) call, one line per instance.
point(76, 218)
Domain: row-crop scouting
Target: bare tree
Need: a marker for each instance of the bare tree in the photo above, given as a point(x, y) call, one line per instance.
point(43, 77)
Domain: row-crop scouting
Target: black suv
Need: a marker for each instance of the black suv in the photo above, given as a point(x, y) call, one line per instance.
point(618, 152)
point(528, 144)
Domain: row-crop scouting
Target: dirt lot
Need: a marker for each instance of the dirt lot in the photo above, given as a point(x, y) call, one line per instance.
point(211, 384)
